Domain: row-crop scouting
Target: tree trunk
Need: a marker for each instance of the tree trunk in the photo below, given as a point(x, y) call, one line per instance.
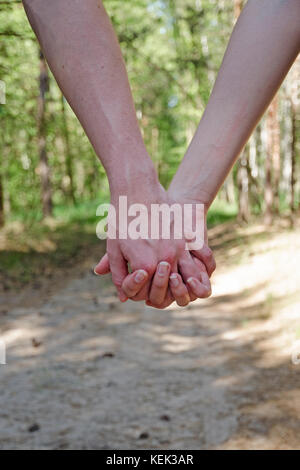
point(2, 218)
point(272, 165)
point(229, 189)
point(294, 106)
point(275, 132)
point(242, 176)
point(268, 215)
point(243, 187)
point(238, 5)
point(1, 201)
point(293, 160)
point(69, 165)
point(44, 169)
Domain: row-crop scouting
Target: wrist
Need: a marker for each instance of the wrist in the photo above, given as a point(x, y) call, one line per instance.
point(138, 181)
point(189, 195)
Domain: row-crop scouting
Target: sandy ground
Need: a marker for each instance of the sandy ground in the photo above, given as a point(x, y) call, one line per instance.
point(85, 372)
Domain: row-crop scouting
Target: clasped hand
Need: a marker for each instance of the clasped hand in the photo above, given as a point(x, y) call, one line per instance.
point(157, 271)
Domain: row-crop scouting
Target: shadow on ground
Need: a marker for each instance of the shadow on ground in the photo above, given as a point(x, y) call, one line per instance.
point(86, 372)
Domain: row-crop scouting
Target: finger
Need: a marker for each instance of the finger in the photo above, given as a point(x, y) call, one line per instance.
point(159, 284)
point(168, 301)
point(150, 267)
point(204, 276)
point(206, 256)
point(198, 288)
point(134, 282)
point(179, 290)
point(189, 269)
point(103, 266)
point(191, 294)
point(119, 271)
point(206, 281)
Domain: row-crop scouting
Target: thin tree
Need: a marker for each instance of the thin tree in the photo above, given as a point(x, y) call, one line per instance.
point(272, 163)
point(242, 164)
point(275, 132)
point(44, 169)
point(243, 186)
point(1, 201)
point(238, 5)
point(69, 163)
point(2, 217)
point(294, 106)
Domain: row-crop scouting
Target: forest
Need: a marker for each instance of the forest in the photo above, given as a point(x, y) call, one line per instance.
point(173, 50)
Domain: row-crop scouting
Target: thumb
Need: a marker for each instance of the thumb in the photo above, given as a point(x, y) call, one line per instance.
point(103, 266)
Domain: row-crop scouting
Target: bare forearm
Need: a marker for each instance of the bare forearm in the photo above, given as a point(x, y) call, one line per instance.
point(83, 53)
point(263, 46)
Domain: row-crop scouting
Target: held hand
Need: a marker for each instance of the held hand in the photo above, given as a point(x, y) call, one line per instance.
point(142, 254)
point(164, 284)
point(165, 287)
point(193, 270)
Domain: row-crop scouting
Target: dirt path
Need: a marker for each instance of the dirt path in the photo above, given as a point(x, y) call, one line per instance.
point(86, 372)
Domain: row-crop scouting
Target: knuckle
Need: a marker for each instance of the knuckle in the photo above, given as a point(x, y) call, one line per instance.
point(150, 267)
point(167, 257)
point(206, 253)
point(138, 297)
point(182, 302)
point(156, 301)
point(129, 291)
point(153, 303)
point(206, 294)
point(193, 297)
point(161, 306)
point(164, 303)
point(182, 291)
point(184, 264)
point(159, 282)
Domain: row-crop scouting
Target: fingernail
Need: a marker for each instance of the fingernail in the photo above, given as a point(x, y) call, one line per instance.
point(140, 276)
point(95, 272)
point(192, 281)
point(205, 281)
point(163, 268)
point(174, 280)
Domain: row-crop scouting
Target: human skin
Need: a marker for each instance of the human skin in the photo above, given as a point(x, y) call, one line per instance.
point(170, 283)
point(263, 46)
point(81, 48)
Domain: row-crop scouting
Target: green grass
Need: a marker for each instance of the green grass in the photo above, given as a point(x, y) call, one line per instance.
point(83, 213)
point(221, 212)
point(35, 249)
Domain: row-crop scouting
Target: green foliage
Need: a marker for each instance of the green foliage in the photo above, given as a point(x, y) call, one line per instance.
point(221, 212)
point(172, 49)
